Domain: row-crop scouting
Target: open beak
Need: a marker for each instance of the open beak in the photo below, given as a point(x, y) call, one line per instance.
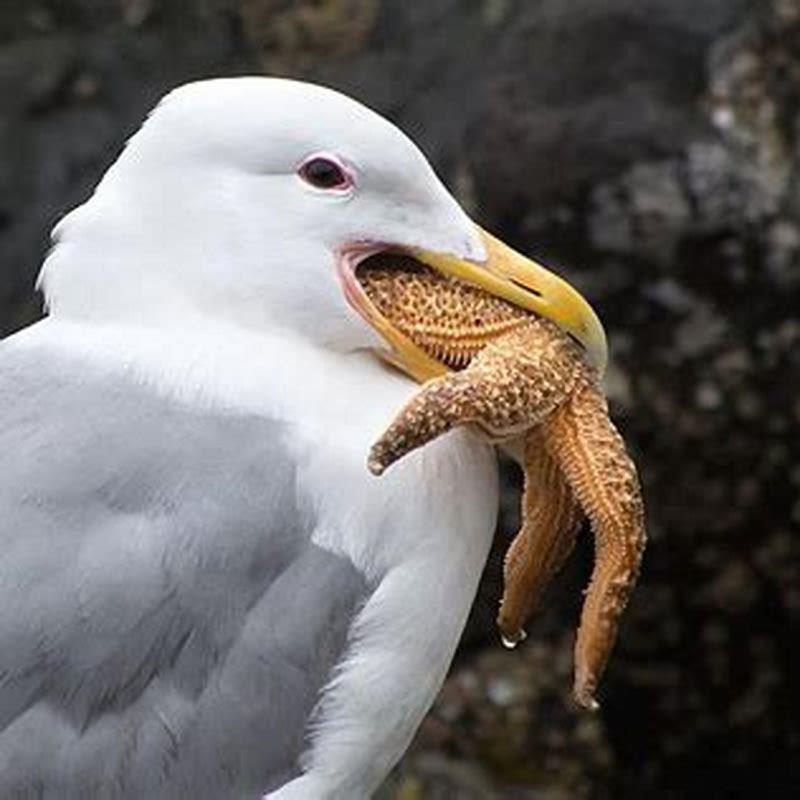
point(529, 285)
point(506, 274)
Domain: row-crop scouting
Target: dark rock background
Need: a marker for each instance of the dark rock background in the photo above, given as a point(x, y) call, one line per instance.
point(650, 149)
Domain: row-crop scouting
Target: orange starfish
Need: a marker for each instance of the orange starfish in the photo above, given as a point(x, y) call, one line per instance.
point(519, 377)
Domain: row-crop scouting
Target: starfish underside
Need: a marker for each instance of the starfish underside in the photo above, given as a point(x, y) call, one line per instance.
point(519, 377)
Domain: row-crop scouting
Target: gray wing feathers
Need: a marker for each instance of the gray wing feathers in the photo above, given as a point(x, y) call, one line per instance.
point(165, 622)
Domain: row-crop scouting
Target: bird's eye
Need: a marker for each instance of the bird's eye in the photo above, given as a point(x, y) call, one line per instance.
point(324, 173)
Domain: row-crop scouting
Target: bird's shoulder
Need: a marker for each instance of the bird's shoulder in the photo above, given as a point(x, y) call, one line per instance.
point(151, 550)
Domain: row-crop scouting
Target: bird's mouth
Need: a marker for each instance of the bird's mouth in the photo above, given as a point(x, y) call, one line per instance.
point(432, 347)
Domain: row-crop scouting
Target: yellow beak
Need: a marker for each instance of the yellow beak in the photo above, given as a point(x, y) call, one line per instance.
point(515, 278)
point(531, 286)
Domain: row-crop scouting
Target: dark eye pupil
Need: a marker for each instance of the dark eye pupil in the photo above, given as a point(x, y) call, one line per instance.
point(323, 173)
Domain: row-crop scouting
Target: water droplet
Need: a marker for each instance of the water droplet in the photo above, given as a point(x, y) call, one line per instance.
point(510, 643)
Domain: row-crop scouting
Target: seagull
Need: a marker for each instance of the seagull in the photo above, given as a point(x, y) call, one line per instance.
point(204, 593)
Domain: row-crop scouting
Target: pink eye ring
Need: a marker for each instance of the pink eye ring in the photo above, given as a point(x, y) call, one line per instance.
point(324, 172)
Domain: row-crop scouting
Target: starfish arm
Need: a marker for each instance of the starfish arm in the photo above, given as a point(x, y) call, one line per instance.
point(510, 387)
point(583, 440)
point(477, 395)
point(550, 522)
point(440, 405)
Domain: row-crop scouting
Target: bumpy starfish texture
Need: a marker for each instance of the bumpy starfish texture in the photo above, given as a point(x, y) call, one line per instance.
point(581, 438)
point(551, 519)
point(450, 320)
point(521, 377)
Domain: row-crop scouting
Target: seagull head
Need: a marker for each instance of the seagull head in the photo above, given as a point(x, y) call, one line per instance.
point(253, 201)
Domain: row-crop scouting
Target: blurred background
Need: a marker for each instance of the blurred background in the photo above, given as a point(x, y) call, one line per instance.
point(650, 149)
